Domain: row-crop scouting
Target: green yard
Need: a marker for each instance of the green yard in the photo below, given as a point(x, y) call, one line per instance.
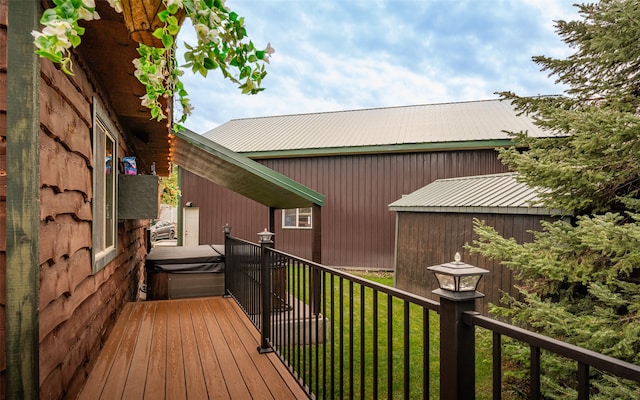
point(358, 345)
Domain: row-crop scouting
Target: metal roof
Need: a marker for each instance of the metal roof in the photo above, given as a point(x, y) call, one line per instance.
point(240, 174)
point(463, 124)
point(495, 194)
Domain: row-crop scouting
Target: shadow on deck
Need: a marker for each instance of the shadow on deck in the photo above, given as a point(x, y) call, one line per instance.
point(198, 348)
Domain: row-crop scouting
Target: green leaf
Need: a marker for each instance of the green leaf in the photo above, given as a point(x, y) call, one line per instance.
point(260, 54)
point(173, 29)
point(158, 33)
point(163, 15)
point(209, 63)
point(75, 40)
point(233, 16)
point(66, 9)
point(48, 15)
point(173, 8)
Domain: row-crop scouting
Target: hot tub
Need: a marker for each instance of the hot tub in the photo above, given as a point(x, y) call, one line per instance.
point(176, 272)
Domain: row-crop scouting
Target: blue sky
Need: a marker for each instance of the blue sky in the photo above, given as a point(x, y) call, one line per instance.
point(337, 55)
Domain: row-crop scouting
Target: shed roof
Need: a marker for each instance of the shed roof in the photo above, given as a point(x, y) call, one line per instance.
point(494, 194)
point(449, 125)
point(241, 174)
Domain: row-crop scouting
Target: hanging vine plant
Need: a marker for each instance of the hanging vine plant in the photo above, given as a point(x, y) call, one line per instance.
point(221, 44)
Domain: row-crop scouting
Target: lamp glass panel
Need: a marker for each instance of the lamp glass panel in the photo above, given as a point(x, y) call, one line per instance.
point(469, 283)
point(446, 281)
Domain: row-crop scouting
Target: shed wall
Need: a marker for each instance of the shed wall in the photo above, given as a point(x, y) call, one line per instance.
point(358, 230)
point(426, 239)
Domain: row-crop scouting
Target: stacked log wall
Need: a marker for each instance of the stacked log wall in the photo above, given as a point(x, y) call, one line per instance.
point(77, 308)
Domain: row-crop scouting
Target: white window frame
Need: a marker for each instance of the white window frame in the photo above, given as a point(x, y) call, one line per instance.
point(301, 214)
point(104, 205)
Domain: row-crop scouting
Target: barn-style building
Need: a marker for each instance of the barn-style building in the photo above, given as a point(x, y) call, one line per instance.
point(361, 161)
point(436, 222)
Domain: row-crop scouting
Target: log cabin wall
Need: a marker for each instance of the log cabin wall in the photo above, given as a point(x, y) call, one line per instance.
point(428, 238)
point(358, 229)
point(77, 309)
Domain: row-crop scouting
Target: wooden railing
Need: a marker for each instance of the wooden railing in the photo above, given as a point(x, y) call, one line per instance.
point(343, 336)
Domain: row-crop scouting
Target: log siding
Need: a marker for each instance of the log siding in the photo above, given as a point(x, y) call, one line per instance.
point(77, 309)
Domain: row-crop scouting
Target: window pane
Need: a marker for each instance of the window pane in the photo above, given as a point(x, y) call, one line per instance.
point(297, 218)
point(99, 195)
point(290, 218)
point(109, 192)
point(304, 217)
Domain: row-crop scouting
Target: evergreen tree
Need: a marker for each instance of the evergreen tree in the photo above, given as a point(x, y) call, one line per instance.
point(580, 277)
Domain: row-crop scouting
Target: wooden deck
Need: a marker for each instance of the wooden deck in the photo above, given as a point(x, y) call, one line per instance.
point(204, 348)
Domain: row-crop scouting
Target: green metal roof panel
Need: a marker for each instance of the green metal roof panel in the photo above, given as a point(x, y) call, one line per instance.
point(449, 123)
point(497, 193)
point(240, 174)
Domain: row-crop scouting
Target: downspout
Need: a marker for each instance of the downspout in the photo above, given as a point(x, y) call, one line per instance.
point(23, 201)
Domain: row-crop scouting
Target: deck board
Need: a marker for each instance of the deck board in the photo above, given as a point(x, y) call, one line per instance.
point(200, 348)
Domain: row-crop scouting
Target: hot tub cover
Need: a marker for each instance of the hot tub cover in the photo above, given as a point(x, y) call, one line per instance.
point(186, 259)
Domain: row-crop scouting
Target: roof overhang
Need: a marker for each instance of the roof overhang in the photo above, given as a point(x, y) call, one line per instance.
point(240, 174)
point(107, 53)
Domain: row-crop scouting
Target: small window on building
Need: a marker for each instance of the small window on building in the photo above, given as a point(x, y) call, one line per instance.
point(105, 170)
point(296, 218)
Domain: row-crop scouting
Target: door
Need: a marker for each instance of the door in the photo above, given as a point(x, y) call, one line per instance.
point(191, 226)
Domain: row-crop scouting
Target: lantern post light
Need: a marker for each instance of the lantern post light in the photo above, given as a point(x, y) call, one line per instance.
point(265, 236)
point(457, 284)
point(457, 280)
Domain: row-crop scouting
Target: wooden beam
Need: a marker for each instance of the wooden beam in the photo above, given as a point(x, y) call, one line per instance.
point(272, 223)
point(316, 223)
point(23, 210)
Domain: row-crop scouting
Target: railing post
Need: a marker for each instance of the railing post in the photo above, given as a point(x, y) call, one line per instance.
point(457, 346)
point(265, 294)
point(228, 272)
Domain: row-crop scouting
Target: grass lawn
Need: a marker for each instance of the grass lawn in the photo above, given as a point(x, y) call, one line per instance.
point(351, 347)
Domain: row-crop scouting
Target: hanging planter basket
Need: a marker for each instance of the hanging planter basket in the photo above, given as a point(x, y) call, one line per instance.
point(141, 18)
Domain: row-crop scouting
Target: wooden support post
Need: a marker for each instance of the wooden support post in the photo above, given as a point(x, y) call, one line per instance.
point(23, 204)
point(316, 256)
point(272, 223)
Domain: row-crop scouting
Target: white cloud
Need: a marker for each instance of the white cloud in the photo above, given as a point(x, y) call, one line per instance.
point(336, 55)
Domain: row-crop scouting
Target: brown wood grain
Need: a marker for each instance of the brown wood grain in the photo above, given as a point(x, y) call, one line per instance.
point(200, 348)
point(154, 387)
point(63, 237)
point(69, 123)
point(70, 202)
point(213, 378)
